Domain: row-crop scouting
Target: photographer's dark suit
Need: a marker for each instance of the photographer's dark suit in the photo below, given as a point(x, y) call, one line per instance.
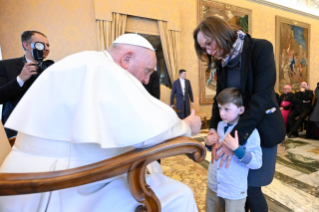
point(10, 90)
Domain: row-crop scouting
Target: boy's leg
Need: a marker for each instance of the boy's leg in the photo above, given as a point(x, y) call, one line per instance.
point(213, 202)
point(235, 205)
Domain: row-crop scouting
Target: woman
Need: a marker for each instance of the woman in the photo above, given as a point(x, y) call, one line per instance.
point(249, 65)
point(285, 102)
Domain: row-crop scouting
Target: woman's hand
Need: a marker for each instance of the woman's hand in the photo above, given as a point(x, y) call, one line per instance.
point(225, 153)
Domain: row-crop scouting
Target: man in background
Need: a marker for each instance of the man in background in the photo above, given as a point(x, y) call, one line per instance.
point(16, 75)
point(301, 108)
point(183, 90)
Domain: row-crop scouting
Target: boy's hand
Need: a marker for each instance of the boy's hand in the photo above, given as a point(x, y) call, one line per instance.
point(230, 142)
point(212, 137)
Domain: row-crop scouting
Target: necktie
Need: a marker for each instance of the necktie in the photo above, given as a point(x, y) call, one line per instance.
point(226, 127)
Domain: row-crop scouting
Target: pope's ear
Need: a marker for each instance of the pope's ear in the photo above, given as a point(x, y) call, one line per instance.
point(125, 60)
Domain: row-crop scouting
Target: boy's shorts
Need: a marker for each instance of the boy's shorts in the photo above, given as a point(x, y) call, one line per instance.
point(218, 204)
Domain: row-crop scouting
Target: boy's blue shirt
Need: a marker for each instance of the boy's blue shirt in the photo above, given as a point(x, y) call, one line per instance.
point(231, 183)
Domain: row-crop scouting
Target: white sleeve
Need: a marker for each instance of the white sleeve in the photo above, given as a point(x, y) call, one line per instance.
point(179, 129)
point(20, 82)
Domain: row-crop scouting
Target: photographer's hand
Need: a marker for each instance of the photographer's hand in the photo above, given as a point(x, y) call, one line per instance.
point(28, 70)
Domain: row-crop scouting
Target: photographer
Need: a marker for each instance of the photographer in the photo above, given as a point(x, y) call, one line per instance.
point(16, 75)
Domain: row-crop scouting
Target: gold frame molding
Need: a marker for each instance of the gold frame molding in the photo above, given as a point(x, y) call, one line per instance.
point(203, 98)
point(280, 20)
point(280, 7)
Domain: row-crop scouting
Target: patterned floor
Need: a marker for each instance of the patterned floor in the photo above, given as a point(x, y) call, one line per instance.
point(295, 186)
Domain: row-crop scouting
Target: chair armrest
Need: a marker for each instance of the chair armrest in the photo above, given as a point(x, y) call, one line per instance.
point(12, 140)
point(133, 162)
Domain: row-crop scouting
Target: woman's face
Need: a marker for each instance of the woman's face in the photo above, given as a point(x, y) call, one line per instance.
point(209, 46)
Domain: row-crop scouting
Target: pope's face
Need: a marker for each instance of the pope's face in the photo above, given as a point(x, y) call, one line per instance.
point(142, 65)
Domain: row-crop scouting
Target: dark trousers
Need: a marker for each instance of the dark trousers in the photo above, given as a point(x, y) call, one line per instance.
point(294, 125)
point(256, 201)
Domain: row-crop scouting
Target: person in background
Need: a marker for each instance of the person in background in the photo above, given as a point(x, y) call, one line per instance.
point(153, 86)
point(183, 90)
point(249, 65)
point(16, 75)
point(285, 102)
point(315, 113)
point(301, 107)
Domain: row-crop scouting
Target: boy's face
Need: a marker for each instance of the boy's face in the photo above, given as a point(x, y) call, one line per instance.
point(229, 113)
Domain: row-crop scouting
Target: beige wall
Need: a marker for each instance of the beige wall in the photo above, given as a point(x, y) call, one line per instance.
point(70, 26)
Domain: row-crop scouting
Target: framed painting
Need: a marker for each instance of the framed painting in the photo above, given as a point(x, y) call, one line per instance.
point(233, 15)
point(292, 52)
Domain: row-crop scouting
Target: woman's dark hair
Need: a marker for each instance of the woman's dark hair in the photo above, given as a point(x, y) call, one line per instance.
point(219, 30)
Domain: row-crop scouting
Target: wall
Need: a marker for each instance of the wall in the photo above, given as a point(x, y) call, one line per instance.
point(70, 26)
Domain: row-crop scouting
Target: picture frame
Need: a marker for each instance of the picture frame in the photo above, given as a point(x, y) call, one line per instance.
point(292, 52)
point(232, 14)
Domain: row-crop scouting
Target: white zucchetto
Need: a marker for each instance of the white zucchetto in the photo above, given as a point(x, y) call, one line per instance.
point(134, 40)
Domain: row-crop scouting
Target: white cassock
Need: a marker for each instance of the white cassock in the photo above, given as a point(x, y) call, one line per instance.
point(82, 110)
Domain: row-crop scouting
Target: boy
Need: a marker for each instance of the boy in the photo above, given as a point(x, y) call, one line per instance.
point(227, 187)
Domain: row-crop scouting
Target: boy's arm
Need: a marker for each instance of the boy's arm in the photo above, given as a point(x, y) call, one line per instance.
point(253, 155)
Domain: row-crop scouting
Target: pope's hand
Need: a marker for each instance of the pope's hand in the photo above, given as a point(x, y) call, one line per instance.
point(194, 122)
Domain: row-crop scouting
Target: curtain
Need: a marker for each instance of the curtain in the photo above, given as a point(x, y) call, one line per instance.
point(169, 40)
point(104, 33)
point(108, 31)
point(244, 23)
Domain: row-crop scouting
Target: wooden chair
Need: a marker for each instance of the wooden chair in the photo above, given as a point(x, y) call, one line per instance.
point(5, 147)
point(133, 163)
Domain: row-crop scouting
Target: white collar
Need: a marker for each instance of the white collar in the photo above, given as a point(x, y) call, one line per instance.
point(28, 61)
point(109, 55)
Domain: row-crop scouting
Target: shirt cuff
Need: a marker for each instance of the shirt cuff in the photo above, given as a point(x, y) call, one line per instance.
point(20, 82)
point(246, 158)
point(239, 152)
point(209, 148)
